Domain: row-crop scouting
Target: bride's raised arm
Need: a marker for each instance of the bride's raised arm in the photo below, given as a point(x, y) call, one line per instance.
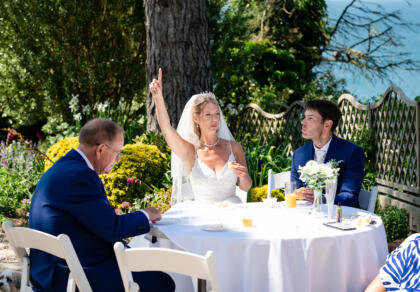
point(183, 149)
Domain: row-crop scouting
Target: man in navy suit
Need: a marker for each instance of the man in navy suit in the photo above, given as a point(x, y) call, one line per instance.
point(70, 198)
point(321, 119)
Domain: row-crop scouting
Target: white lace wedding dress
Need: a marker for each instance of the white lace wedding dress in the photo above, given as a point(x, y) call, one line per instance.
point(211, 187)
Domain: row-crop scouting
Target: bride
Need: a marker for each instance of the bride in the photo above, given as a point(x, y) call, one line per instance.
point(204, 152)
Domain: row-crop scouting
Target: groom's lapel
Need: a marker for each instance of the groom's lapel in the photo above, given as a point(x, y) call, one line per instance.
point(331, 149)
point(310, 151)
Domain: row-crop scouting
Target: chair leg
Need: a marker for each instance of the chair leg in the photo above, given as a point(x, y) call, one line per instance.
point(201, 285)
point(71, 284)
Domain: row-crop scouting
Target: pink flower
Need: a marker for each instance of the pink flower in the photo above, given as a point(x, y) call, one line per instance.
point(130, 180)
point(5, 163)
point(26, 201)
point(27, 214)
point(11, 135)
point(118, 211)
point(125, 205)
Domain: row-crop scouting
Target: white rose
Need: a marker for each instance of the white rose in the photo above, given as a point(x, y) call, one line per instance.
point(327, 170)
point(311, 167)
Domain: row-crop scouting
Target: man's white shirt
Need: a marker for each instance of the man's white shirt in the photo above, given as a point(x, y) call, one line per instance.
point(320, 153)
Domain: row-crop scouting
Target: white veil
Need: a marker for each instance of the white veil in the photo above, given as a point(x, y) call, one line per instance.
point(181, 188)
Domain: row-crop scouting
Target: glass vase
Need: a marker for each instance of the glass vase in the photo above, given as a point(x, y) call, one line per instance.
point(317, 201)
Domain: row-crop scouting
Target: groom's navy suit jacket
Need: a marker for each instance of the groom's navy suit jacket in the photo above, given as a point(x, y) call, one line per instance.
point(352, 163)
point(70, 198)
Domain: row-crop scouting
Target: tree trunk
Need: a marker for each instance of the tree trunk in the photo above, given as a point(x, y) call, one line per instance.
point(178, 42)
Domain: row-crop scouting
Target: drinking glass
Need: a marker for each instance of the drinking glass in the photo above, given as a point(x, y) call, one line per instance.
point(330, 190)
point(290, 194)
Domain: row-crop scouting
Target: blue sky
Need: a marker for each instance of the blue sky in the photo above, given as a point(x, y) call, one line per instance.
point(409, 82)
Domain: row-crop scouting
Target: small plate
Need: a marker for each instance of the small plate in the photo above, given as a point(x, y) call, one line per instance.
point(167, 221)
point(299, 203)
point(303, 203)
point(213, 227)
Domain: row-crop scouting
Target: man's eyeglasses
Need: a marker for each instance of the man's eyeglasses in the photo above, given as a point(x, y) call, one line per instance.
point(119, 153)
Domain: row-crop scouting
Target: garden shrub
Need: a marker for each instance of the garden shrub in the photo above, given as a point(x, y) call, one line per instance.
point(260, 158)
point(157, 139)
point(20, 171)
point(153, 138)
point(60, 149)
point(139, 171)
point(160, 199)
point(395, 222)
point(257, 194)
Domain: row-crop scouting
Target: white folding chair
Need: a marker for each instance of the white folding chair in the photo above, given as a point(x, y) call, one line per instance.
point(167, 260)
point(21, 238)
point(367, 200)
point(276, 181)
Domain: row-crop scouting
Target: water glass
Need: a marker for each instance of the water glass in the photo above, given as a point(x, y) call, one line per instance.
point(289, 187)
point(330, 190)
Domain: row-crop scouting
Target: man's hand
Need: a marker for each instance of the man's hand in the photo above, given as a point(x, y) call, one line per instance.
point(154, 214)
point(308, 195)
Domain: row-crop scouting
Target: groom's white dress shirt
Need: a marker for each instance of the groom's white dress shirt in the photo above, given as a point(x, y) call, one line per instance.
point(320, 153)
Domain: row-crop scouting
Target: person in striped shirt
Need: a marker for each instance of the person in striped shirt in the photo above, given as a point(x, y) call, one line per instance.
point(401, 271)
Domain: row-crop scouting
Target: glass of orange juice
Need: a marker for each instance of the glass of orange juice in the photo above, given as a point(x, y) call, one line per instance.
point(290, 194)
point(247, 222)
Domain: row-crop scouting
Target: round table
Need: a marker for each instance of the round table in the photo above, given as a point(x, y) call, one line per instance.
point(284, 250)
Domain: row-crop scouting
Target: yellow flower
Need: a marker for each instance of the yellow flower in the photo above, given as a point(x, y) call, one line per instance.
point(60, 149)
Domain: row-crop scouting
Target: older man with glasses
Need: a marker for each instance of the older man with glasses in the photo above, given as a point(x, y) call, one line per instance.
point(70, 198)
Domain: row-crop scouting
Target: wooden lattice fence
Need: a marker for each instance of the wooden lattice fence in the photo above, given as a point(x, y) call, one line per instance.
point(388, 130)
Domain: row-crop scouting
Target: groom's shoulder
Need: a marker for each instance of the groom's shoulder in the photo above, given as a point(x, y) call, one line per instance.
point(342, 143)
point(304, 148)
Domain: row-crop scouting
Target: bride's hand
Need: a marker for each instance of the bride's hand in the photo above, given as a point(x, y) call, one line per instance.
point(240, 170)
point(156, 86)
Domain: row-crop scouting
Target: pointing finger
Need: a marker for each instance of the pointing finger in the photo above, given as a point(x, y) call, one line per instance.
point(160, 76)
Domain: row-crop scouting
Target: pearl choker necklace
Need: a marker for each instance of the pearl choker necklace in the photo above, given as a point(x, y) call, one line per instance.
point(211, 145)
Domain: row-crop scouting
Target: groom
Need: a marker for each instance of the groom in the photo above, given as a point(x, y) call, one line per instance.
point(321, 119)
point(70, 198)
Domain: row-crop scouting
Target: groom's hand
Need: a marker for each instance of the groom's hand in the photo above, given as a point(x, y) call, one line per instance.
point(308, 195)
point(154, 214)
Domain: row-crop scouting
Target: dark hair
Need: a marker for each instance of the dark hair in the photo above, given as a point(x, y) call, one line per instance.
point(327, 109)
point(99, 131)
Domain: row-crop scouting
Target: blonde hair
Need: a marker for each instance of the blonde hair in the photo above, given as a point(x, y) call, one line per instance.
point(197, 107)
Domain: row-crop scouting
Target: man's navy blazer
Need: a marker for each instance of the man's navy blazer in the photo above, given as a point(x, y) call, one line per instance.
point(70, 198)
point(352, 164)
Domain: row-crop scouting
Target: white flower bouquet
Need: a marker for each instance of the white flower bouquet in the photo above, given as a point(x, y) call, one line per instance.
point(315, 174)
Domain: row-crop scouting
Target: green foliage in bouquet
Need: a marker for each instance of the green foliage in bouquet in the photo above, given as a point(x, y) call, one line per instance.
point(395, 221)
point(60, 149)
point(138, 172)
point(257, 194)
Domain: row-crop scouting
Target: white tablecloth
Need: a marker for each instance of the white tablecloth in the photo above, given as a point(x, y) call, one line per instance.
point(285, 250)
